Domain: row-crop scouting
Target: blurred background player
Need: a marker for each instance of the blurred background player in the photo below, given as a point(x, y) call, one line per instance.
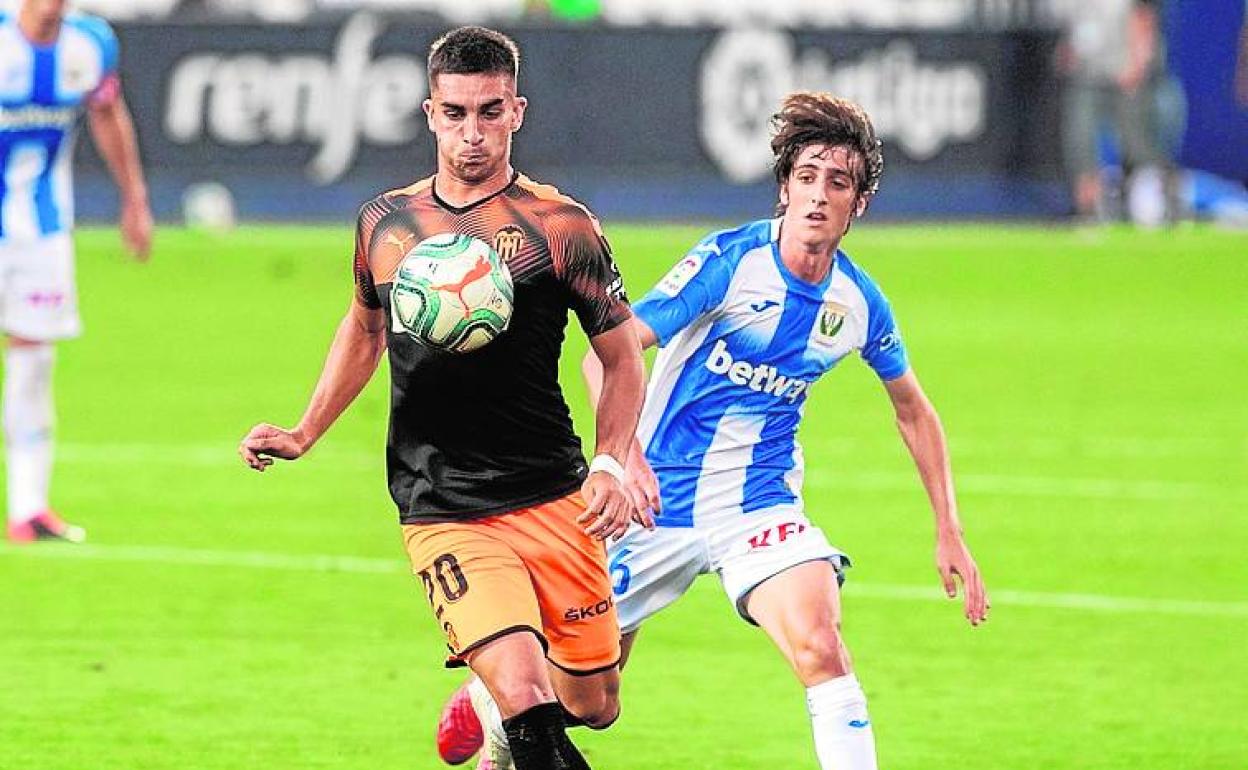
point(1113, 60)
point(53, 66)
point(501, 517)
point(747, 322)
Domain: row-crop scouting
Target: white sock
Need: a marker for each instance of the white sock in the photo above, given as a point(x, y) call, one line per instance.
point(838, 716)
point(487, 710)
point(28, 428)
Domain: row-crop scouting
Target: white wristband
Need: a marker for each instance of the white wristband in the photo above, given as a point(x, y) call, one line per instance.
point(607, 464)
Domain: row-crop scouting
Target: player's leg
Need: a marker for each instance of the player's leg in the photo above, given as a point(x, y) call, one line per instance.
point(481, 594)
point(588, 700)
point(626, 645)
point(800, 610)
point(1143, 155)
point(39, 306)
point(513, 670)
point(573, 589)
point(598, 594)
point(648, 571)
point(782, 574)
point(1080, 123)
point(27, 433)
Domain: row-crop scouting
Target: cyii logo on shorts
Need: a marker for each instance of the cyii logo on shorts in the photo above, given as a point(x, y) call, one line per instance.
point(782, 532)
point(48, 299)
point(573, 614)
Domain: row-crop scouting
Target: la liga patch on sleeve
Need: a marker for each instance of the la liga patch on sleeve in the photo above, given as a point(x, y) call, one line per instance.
point(680, 275)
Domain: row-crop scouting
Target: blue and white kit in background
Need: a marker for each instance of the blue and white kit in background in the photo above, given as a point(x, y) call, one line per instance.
point(742, 341)
point(43, 92)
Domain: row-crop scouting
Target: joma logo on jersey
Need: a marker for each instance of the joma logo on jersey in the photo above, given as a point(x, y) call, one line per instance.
point(763, 378)
point(508, 241)
point(831, 319)
point(573, 614)
point(782, 532)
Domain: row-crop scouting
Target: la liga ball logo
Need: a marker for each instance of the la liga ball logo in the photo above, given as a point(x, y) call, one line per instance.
point(452, 292)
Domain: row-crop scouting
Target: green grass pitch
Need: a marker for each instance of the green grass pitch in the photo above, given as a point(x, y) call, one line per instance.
point(1092, 384)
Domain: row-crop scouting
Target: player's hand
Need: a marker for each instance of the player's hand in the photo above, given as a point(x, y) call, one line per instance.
point(264, 442)
point(608, 507)
point(1131, 78)
point(136, 229)
point(642, 486)
point(953, 558)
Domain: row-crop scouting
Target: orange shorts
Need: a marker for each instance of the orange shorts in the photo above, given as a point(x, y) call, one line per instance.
point(532, 569)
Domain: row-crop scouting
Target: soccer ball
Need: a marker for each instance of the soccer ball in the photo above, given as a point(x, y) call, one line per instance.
point(452, 292)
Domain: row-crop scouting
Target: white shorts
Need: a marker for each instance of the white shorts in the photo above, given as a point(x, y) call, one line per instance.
point(38, 295)
point(650, 569)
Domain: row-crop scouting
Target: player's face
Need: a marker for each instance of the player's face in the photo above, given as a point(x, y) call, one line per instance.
point(473, 118)
point(821, 194)
point(43, 14)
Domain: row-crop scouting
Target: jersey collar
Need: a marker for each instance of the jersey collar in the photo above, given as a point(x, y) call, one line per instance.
point(469, 207)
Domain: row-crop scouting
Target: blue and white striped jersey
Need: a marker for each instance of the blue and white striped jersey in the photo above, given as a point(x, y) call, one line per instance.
point(742, 340)
point(43, 89)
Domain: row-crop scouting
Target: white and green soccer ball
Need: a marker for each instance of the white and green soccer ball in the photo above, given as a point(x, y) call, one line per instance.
point(452, 292)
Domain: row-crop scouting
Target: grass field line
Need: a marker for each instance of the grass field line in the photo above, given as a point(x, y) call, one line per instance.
point(363, 565)
point(1105, 447)
point(1088, 447)
point(213, 456)
point(1037, 486)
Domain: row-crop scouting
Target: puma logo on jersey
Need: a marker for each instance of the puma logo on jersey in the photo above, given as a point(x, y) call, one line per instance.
point(761, 378)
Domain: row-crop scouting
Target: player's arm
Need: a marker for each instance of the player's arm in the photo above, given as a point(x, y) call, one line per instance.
point(693, 287)
point(353, 357)
point(642, 485)
point(112, 130)
point(925, 438)
point(617, 400)
point(596, 290)
point(1142, 39)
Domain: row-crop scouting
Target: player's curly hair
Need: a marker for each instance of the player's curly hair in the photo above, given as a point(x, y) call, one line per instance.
point(473, 50)
point(811, 117)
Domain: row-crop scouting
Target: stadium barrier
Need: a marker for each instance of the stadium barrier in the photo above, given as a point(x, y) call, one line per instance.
point(306, 122)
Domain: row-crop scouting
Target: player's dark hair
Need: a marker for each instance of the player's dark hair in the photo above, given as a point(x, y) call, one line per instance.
point(473, 51)
point(809, 117)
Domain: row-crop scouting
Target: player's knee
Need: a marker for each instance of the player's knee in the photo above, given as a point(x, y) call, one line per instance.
point(820, 654)
point(599, 710)
point(605, 713)
point(515, 696)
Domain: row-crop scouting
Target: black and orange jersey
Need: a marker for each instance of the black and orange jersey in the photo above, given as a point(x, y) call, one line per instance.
point(479, 433)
